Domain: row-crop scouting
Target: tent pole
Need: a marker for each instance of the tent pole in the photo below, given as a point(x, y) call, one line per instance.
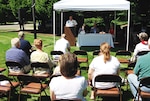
point(54, 26)
point(127, 45)
point(115, 28)
point(61, 22)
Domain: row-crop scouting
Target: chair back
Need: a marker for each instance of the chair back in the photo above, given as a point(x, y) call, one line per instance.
point(80, 52)
point(39, 64)
point(13, 64)
point(28, 78)
point(142, 53)
point(108, 78)
point(131, 65)
point(123, 52)
point(95, 53)
point(145, 82)
point(56, 53)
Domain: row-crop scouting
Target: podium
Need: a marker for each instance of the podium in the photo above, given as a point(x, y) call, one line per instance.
point(69, 36)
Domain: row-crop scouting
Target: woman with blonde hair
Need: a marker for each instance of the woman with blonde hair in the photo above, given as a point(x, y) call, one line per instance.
point(103, 64)
point(40, 56)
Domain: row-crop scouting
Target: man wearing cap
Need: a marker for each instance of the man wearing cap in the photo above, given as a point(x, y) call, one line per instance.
point(24, 44)
point(141, 70)
point(142, 46)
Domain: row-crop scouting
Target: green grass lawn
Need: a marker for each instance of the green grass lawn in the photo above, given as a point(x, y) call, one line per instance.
point(48, 42)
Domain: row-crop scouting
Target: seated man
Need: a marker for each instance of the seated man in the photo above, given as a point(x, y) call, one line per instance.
point(141, 70)
point(24, 44)
point(18, 55)
point(94, 29)
point(62, 45)
point(142, 46)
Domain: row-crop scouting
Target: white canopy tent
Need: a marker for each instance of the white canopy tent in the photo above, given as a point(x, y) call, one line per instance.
point(91, 5)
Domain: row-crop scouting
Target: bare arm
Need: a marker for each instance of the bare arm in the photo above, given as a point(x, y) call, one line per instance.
point(52, 96)
point(90, 74)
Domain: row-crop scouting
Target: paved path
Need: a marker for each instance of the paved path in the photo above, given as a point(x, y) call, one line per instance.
point(15, 27)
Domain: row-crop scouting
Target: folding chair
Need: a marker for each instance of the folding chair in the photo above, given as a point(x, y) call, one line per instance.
point(124, 58)
point(95, 53)
point(13, 64)
point(55, 55)
point(111, 92)
point(142, 53)
point(82, 57)
point(39, 65)
point(31, 85)
point(143, 82)
point(7, 86)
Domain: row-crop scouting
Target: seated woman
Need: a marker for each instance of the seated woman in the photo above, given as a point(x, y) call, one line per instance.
point(68, 86)
point(103, 64)
point(40, 56)
point(57, 70)
point(82, 29)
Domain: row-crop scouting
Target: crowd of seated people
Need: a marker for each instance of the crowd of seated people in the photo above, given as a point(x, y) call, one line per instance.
point(73, 85)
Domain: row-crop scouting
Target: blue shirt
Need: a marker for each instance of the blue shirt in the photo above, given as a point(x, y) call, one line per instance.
point(18, 55)
point(25, 46)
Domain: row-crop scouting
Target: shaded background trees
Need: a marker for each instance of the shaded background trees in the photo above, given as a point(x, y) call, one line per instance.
point(140, 12)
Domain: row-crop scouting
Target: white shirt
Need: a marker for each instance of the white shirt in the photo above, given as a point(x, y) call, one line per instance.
point(62, 45)
point(68, 88)
point(39, 56)
point(140, 47)
point(71, 23)
point(99, 67)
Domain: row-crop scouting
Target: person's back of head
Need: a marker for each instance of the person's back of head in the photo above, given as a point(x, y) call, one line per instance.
point(20, 34)
point(68, 65)
point(143, 36)
point(105, 50)
point(38, 43)
point(15, 42)
point(63, 35)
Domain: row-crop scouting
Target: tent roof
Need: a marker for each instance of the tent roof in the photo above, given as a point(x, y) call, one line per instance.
point(91, 5)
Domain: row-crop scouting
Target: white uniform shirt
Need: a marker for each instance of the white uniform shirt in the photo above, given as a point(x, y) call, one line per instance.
point(68, 88)
point(71, 23)
point(110, 67)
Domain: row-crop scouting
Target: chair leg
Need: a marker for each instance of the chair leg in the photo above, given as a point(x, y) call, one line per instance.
point(19, 97)
point(120, 97)
point(40, 97)
point(9, 95)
